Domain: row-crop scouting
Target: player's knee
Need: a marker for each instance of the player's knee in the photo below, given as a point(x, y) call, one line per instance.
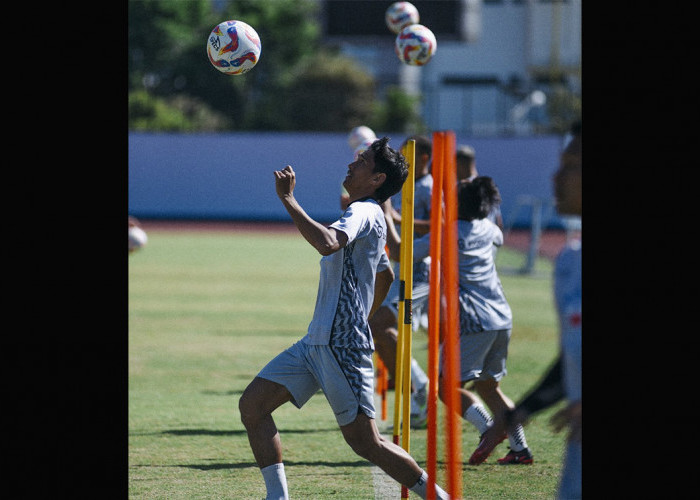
point(382, 321)
point(485, 387)
point(248, 409)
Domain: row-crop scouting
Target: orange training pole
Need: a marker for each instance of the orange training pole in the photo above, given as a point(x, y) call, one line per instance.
point(451, 340)
point(434, 309)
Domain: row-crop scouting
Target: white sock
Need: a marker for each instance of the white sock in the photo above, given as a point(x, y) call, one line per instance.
point(275, 482)
point(517, 439)
point(479, 417)
point(421, 486)
point(418, 376)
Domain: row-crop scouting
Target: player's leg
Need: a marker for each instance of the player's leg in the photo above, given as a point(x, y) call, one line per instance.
point(385, 336)
point(364, 439)
point(256, 405)
point(487, 386)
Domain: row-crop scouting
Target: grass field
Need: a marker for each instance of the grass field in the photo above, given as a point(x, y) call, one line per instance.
point(208, 310)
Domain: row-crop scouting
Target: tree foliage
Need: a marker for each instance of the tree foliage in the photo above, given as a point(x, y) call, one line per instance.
point(296, 85)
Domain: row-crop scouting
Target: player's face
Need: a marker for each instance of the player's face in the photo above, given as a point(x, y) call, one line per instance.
point(360, 172)
point(568, 187)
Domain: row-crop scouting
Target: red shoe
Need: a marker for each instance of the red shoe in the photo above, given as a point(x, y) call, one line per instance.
point(517, 457)
point(483, 451)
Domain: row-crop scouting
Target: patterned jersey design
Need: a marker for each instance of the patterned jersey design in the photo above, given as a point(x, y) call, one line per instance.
point(350, 327)
point(350, 362)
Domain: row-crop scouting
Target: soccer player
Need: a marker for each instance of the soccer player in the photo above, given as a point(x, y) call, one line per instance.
point(485, 317)
point(335, 355)
point(563, 379)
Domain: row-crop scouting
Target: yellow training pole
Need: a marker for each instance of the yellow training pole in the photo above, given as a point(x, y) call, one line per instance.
point(402, 376)
point(407, 259)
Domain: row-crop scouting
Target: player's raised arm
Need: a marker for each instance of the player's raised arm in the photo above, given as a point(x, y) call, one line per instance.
point(325, 240)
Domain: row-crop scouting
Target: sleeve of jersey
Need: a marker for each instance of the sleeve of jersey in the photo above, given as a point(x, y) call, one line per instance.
point(354, 221)
point(384, 263)
point(497, 236)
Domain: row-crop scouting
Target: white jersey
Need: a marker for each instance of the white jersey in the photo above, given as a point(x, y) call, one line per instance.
point(567, 293)
point(346, 284)
point(483, 304)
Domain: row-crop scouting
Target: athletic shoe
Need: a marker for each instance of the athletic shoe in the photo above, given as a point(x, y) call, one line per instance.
point(481, 454)
point(517, 457)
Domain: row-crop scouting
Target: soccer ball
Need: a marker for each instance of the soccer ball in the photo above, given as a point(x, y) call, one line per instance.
point(415, 45)
point(233, 47)
point(359, 135)
point(399, 15)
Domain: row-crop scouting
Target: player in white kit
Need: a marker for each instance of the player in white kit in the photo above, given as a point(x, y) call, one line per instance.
point(335, 355)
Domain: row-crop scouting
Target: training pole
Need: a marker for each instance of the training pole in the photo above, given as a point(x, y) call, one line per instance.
point(434, 297)
point(407, 213)
point(382, 384)
point(451, 331)
point(402, 379)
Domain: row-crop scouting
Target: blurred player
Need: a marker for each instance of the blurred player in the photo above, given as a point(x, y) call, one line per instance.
point(485, 317)
point(563, 380)
point(466, 172)
point(335, 355)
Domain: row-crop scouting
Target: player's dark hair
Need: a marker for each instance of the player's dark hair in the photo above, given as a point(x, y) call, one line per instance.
point(423, 145)
point(392, 163)
point(477, 198)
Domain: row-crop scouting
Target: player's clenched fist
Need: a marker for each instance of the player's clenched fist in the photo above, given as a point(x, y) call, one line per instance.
point(285, 181)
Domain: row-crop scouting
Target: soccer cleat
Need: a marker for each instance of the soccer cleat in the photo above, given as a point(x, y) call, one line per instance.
point(481, 454)
point(517, 457)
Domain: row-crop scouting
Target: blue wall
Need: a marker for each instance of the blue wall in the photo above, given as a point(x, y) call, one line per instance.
point(229, 176)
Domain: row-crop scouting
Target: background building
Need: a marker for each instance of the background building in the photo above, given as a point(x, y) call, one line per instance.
point(502, 67)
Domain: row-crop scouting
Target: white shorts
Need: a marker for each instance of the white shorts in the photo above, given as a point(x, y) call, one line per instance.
point(346, 377)
point(482, 355)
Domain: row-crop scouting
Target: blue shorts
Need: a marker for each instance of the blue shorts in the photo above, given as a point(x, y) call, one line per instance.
point(482, 355)
point(345, 375)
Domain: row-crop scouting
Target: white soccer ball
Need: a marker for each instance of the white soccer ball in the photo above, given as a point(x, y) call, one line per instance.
point(415, 45)
point(233, 47)
point(399, 15)
point(137, 238)
point(360, 134)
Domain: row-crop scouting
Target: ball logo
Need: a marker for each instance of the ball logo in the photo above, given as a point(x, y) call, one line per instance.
point(214, 40)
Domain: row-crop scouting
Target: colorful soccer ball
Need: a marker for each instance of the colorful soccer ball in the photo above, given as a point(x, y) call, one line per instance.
point(399, 15)
point(415, 45)
point(359, 135)
point(233, 47)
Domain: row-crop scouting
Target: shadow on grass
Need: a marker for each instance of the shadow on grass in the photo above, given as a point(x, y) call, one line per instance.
point(287, 463)
point(237, 432)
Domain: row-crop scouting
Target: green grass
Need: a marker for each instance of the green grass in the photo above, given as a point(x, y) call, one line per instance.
point(208, 310)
